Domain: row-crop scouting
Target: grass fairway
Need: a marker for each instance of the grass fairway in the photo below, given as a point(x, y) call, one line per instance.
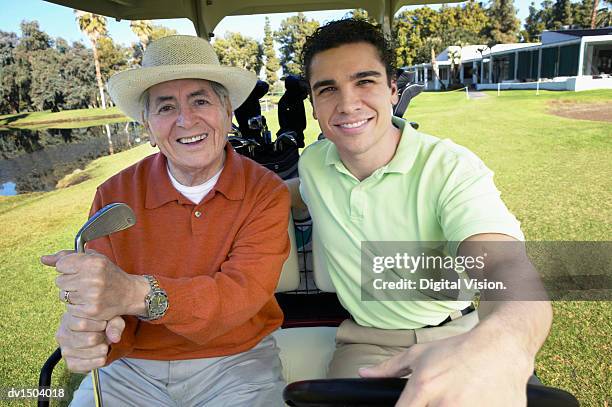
point(554, 174)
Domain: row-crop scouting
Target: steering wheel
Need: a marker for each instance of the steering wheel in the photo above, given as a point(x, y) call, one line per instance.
point(386, 392)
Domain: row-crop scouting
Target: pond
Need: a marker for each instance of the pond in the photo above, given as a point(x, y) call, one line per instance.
point(35, 160)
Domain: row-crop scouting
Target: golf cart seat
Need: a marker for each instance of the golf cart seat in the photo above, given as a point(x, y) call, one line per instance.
point(307, 344)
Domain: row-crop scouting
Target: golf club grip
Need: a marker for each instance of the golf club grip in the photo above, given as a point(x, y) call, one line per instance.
point(79, 246)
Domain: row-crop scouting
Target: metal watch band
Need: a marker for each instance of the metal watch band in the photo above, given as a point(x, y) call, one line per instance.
point(153, 299)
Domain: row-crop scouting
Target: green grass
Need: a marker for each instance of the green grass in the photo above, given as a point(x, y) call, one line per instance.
point(35, 224)
point(554, 174)
point(68, 119)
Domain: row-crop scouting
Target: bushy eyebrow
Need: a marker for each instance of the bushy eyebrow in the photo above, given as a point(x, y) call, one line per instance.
point(320, 84)
point(199, 92)
point(357, 75)
point(160, 99)
point(365, 74)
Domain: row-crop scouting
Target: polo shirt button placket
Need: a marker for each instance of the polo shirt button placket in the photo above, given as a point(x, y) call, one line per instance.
point(197, 214)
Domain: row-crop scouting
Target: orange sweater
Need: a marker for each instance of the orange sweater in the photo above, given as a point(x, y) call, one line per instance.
point(219, 269)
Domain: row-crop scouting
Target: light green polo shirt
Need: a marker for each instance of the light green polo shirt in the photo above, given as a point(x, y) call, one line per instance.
point(432, 190)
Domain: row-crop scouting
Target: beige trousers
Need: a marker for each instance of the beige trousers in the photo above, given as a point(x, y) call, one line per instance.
point(358, 346)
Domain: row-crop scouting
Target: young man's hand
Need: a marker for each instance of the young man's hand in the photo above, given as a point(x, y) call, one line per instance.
point(465, 370)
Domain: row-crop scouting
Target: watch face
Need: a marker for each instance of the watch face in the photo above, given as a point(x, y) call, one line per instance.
point(158, 304)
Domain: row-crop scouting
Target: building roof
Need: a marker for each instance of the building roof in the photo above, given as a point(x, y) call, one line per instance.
point(582, 32)
point(467, 53)
point(477, 52)
point(501, 48)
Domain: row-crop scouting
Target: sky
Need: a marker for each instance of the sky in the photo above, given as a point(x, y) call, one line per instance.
point(58, 21)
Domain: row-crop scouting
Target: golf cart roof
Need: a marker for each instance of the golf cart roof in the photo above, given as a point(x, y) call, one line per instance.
point(206, 14)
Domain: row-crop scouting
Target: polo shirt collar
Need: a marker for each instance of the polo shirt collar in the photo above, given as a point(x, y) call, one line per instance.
point(407, 149)
point(231, 182)
point(159, 188)
point(402, 161)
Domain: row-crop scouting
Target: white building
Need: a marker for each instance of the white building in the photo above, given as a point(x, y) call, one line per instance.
point(564, 60)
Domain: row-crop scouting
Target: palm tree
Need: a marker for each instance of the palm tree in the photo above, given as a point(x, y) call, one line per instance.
point(594, 14)
point(454, 55)
point(143, 30)
point(94, 26)
point(604, 17)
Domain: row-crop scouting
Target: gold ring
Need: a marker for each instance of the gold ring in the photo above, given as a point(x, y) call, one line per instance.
point(66, 297)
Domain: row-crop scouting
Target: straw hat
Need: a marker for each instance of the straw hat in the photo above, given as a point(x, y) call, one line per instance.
point(177, 57)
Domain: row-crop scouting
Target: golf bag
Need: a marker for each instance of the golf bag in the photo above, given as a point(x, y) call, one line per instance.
point(250, 108)
point(291, 113)
point(407, 90)
point(280, 156)
point(254, 139)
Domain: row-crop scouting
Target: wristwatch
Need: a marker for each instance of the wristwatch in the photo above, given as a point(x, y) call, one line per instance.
point(156, 301)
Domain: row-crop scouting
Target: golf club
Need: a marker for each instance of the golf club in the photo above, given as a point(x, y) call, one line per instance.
point(110, 219)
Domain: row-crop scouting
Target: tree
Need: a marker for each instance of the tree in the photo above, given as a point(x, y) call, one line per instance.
point(454, 56)
point(562, 14)
point(504, 25)
point(79, 74)
point(604, 16)
point(538, 20)
point(113, 57)
point(463, 25)
point(237, 50)
point(533, 24)
point(40, 73)
point(50, 83)
point(32, 38)
point(361, 14)
point(272, 65)
point(423, 30)
point(291, 36)
point(32, 42)
point(9, 91)
point(94, 26)
point(412, 30)
point(143, 30)
point(159, 31)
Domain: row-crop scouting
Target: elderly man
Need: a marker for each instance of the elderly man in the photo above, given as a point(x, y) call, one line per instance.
point(178, 309)
point(375, 178)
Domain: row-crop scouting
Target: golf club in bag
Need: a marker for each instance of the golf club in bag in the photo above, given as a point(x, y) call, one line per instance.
point(254, 139)
point(112, 218)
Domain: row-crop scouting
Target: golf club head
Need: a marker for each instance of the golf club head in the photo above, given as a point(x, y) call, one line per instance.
point(112, 218)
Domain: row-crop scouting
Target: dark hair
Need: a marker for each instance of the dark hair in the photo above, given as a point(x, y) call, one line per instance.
point(348, 31)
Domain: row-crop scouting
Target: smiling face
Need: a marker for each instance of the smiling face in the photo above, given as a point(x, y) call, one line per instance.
point(189, 123)
point(352, 101)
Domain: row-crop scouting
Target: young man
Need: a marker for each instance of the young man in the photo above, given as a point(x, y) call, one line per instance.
point(374, 178)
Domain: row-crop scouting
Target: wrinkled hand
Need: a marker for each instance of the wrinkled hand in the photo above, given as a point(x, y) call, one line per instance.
point(84, 342)
point(463, 370)
point(98, 288)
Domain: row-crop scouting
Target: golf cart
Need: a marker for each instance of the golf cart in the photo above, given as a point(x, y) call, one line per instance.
point(305, 291)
